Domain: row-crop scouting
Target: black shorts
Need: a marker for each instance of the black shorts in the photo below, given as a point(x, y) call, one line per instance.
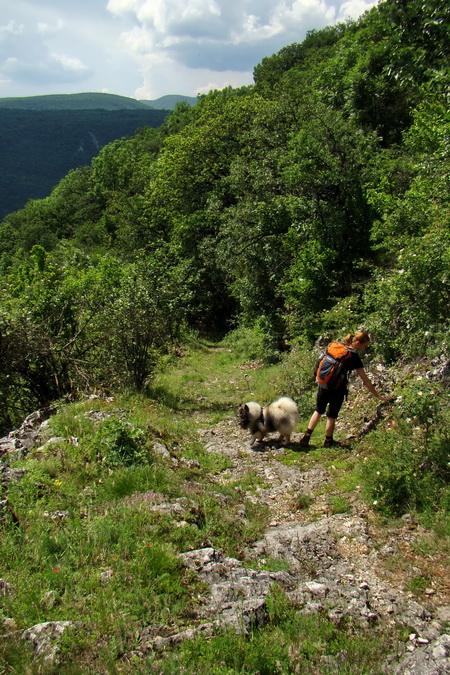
point(333, 398)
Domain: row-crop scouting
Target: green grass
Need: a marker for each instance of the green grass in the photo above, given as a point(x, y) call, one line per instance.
point(339, 504)
point(89, 505)
point(290, 643)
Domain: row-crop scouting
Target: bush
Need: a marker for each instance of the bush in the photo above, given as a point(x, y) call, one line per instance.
point(298, 375)
point(256, 343)
point(410, 467)
point(409, 306)
point(117, 443)
point(343, 316)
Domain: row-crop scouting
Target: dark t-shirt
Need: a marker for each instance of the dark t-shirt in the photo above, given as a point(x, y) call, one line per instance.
point(353, 363)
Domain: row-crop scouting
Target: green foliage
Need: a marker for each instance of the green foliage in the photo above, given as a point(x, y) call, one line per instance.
point(338, 504)
point(256, 343)
point(298, 375)
point(408, 477)
point(410, 300)
point(342, 318)
point(323, 170)
point(410, 468)
point(409, 188)
point(117, 443)
point(407, 312)
point(36, 484)
point(311, 202)
point(315, 47)
point(145, 315)
point(71, 322)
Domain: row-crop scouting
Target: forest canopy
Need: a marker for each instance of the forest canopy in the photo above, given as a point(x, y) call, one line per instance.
point(314, 202)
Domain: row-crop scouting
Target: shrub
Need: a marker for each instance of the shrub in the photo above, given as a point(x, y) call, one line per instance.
point(256, 343)
point(410, 304)
point(118, 443)
point(410, 468)
point(298, 375)
point(343, 316)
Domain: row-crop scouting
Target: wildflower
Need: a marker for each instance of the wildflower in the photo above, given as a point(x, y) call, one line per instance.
point(375, 502)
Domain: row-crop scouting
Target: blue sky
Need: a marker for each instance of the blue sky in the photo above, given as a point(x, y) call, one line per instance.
point(145, 49)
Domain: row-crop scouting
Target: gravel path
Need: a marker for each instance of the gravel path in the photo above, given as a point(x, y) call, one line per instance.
point(334, 565)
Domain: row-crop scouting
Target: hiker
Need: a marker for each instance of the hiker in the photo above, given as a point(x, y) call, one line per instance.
point(334, 397)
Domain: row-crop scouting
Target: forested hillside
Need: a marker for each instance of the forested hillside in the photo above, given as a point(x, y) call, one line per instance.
point(83, 101)
point(93, 101)
point(314, 202)
point(169, 102)
point(42, 141)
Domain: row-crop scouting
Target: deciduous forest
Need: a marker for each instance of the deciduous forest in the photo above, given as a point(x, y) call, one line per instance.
point(313, 202)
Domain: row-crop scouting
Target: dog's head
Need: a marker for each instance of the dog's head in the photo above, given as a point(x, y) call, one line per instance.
point(243, 415)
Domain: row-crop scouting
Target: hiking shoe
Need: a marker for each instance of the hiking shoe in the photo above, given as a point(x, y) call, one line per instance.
point(331, 443)
point(304, 441)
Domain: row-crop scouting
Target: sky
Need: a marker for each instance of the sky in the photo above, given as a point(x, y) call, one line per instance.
point(145, 49)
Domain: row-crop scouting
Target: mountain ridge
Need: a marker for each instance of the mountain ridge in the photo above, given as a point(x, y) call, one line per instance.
point(92, 101)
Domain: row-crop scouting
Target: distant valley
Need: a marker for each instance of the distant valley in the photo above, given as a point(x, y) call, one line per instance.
point(44, 137)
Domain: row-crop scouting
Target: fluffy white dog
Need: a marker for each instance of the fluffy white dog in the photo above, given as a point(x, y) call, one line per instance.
point(281, 415)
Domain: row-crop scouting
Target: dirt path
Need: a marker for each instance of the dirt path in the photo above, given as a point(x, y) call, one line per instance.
point(334, 563)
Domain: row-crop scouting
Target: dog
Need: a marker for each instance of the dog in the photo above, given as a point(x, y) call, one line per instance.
point(281, 415)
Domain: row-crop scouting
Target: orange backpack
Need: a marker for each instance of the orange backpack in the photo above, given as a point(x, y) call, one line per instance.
point(329, 370)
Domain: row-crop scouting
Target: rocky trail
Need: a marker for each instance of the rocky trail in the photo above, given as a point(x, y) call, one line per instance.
point(333, 565)
point(331, 562)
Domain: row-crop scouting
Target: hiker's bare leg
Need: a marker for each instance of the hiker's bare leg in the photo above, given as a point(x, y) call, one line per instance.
point(329, 429)
point(314, 421)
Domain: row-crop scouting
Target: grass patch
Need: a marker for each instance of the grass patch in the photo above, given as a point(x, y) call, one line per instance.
point(302, 501)
point(104, 512)
point(338, 504)
point(290, 643)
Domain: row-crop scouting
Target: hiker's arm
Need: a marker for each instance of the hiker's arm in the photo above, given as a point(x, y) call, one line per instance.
point(367, 383)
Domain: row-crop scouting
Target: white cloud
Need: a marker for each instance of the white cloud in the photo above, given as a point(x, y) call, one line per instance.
point(56, 69)
point(68, 63)
point(148, 48)
point(163, 79)
point(352, 9)
point(301, 12)
point(12, 28)
point(220, 40)
point(45, 28)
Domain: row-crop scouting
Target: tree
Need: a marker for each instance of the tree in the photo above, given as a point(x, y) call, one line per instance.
point(145, 316)
point(50, 326)
point(329, 235)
